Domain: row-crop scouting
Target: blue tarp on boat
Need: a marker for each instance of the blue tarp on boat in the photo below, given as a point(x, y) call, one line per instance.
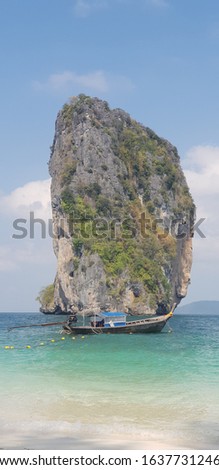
point(112, 314)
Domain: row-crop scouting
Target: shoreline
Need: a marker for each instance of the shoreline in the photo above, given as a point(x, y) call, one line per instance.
point(75, 443)
point(64, 436)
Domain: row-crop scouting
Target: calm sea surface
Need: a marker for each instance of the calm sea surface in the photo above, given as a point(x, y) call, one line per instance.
point(158, 387)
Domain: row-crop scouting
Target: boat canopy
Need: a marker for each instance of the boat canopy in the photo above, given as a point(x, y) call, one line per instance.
point(113, 319)
point(109, 319)
point(112, 314)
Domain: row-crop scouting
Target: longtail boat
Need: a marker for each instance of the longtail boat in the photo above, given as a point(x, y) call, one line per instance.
point(115, 323)
point(108, 323)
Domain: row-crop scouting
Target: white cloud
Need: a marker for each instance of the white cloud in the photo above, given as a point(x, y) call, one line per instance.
point(26, 264)
point(97, 81)
point(201, 168)
point(32, 197)
point(83, 8)
point(201, 156)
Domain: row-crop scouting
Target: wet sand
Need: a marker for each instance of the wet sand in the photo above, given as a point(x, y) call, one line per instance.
point(61, 436)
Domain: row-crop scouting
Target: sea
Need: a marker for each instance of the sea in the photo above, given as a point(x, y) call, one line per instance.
point(146, 391)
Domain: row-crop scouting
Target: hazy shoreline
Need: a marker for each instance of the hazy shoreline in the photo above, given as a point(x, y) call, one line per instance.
point(77, 441)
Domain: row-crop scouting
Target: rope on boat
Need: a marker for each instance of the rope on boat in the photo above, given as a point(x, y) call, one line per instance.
point(66, 331)
point(97, 332)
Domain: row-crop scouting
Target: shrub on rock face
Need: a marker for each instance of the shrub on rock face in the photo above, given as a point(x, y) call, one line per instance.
point(46, 297)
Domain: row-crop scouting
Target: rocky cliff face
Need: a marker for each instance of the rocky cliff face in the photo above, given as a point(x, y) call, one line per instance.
point(122, 213)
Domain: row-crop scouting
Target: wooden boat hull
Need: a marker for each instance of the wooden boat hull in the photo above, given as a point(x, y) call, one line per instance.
point(148, 325)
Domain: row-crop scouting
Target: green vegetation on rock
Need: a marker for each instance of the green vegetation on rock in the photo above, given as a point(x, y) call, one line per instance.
point(46, 297)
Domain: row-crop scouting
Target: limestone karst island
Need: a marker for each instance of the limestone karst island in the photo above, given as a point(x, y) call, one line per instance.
point(123, 215)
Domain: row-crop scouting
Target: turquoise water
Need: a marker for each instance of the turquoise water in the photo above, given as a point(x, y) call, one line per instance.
point(146, 388)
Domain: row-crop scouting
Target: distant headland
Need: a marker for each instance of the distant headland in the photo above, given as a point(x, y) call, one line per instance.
point(202, 307)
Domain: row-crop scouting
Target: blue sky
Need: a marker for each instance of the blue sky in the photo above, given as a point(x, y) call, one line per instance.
point(157, 59)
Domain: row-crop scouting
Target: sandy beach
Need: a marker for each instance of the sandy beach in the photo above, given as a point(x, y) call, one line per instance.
point(25, 438)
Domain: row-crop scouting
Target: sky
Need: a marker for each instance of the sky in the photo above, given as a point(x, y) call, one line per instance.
point(156, 59)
